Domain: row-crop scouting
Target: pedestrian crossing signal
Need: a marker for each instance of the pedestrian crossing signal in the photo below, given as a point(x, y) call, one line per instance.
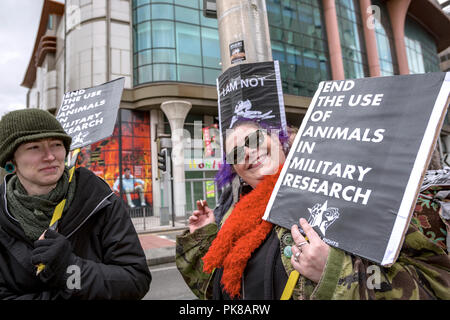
point(162, 160)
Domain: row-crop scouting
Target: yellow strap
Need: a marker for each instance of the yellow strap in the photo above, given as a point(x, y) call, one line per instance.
point(60, 207)
point(40, 267)
point(57, 213)
point(71, 171)
point(56, 216)
point(74, 157)
point(290, 285)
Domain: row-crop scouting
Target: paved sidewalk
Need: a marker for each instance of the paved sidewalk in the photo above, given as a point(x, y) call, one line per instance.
point(159, 247)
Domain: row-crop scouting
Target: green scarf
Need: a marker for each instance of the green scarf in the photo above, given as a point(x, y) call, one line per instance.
point(34, 213)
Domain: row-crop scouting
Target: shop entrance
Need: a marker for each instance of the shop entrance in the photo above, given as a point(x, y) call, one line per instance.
point(200, 185)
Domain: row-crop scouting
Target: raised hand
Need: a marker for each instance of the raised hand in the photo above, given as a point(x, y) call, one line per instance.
point(201, 217)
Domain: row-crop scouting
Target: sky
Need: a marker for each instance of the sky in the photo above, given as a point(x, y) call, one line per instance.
point(18, 28)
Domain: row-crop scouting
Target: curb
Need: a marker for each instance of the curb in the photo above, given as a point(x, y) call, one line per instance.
point(160, 255)
point(161, 229)
point(161, 260)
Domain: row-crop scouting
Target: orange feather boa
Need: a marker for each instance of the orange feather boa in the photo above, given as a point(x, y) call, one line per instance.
point(242, 233)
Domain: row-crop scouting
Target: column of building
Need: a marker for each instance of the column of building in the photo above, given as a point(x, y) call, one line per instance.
point(334, 42)
point(370, 38)
point(176, 112)
point(397, 13)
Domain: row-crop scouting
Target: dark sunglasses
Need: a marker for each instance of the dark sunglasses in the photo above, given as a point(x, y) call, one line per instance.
point(253, 141)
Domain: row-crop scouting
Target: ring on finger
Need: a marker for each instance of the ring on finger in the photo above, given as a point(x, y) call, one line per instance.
point(296, 256)
point(299, 246)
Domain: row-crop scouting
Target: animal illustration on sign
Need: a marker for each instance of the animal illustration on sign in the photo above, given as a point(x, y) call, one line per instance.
point(242, 109)
point(79, 138)
point(322, 216)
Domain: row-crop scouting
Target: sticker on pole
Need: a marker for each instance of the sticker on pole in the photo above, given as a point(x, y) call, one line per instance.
point(89, 115)
point(237, 51)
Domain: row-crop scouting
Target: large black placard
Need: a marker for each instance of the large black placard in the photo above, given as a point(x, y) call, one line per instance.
point(358, 161)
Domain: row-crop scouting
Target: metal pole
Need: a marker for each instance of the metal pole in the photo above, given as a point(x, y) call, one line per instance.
point(65, 51)
point(144, 215)
point(108, 40)
point(246, 21)
point(120, 153)
point(168, 176)
point(172, 198)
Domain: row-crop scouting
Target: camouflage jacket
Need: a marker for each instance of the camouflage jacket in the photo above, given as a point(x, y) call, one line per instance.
point(422, 270)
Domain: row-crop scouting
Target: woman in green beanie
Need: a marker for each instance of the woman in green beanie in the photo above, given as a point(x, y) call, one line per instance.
point(95, 252)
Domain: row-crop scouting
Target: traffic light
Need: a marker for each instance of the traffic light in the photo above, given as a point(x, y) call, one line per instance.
point(162, 160)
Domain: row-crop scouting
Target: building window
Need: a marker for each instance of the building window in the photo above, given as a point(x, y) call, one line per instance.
point(352, 40)
point(104, 158)
point(385, 41)
point(173, 41)
point(50, 22)
point(298, 41)
point(420, 48)
point(188, 44)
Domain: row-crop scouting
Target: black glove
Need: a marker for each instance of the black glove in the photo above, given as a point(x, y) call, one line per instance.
point(55, 252)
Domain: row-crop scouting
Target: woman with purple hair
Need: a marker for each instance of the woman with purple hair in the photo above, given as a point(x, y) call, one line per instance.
point(232, 253)
point(230, 182)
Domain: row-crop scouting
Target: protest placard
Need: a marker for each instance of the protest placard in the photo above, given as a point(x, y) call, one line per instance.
point(252, 91)
point(89, 115)
point(356, 166)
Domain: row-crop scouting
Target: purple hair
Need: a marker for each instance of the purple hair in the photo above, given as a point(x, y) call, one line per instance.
point(226, 173)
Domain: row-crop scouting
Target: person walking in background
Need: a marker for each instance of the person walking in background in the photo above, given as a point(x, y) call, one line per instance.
point(131, 184)
point(95, 252)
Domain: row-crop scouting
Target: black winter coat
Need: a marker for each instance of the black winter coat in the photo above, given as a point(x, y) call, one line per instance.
point(104, 242)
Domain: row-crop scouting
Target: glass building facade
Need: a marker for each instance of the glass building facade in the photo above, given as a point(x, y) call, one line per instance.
point(298, 38)
point(420, 48)
point(173, 41)
point(352, 39)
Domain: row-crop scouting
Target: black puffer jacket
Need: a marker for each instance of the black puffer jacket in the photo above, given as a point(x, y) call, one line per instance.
point(104, 242)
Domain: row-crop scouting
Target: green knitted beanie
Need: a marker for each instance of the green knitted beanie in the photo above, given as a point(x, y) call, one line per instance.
point(26, 125)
